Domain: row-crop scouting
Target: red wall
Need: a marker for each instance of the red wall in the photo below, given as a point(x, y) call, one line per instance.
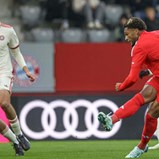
point(91, 66)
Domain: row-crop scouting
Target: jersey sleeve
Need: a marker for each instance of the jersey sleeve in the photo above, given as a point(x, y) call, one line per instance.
point(13, 39)
point(138, 58)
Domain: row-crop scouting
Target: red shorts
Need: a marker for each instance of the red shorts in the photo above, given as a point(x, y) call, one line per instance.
point(154, 82)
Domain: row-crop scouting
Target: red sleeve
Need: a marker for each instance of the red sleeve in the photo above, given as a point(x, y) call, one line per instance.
point(138, 58)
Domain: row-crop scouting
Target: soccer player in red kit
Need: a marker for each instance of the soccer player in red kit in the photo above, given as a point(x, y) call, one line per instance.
point(9, 46)
point(145, 51)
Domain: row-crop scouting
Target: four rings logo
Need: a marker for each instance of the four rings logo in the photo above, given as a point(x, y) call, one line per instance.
point(70, 126)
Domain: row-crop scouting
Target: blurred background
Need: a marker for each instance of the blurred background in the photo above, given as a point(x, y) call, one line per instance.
point(77, 50)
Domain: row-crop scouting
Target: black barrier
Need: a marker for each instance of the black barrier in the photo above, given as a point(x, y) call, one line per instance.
point(74, 117)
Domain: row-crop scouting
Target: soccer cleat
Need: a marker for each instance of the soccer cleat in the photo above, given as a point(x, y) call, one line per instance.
point(136, 152)
point(18, 149)
point(106, 121)
point(23, 142)
point(154, 147)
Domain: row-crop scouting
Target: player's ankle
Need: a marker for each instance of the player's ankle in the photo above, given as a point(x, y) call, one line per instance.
point(141, 146)
point(114, 119)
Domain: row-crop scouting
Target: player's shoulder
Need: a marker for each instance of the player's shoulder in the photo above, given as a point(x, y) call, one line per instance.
point(6, 28)
point(4, 25)
point(138, 47)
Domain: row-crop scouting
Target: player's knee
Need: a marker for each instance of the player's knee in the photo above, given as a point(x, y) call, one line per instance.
point(5, 105)
point(154, 110)
point(149, 94)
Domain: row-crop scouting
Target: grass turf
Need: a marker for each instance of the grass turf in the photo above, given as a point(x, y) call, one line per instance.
point(76, 149)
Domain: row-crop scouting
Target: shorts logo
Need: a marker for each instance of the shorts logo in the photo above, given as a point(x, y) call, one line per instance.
point(20, 78)
point(1, 37)
point(6, 85)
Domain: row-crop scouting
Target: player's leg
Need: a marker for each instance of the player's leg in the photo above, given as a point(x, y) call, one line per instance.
point(6, 132)
point(126, 110)
point(157, 130)
point(15, 125)
point(150, 124)
point(157, 135)
point(129, 108)
point(148, 94)
point(151, 116)
point(12, 117)
point(148, 131)
point(5, 97)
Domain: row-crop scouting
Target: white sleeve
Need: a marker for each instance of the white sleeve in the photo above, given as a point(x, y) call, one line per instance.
point(18, 57)
point(13, 39)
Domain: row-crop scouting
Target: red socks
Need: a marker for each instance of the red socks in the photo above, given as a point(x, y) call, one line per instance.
point(149, 129)
point(129, 108)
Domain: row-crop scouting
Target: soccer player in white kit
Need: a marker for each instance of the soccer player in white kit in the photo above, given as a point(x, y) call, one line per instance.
point(9, 45)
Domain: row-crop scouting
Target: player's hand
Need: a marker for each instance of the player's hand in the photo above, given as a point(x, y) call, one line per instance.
point(117, 86)
point(144, 73)
point(31, 76)
point(28, 74)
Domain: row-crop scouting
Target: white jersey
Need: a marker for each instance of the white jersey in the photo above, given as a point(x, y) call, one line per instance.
point(8, 40)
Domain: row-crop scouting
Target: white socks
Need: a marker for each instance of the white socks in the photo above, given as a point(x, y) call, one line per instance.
point(10, 135)
point(15, 125)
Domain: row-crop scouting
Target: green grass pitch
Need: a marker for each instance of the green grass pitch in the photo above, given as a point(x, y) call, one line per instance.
point(77, 149)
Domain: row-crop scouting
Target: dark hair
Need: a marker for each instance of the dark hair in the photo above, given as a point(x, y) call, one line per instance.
point(135, 23)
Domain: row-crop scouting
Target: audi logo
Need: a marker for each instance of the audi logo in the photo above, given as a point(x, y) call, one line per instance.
point(70, 110)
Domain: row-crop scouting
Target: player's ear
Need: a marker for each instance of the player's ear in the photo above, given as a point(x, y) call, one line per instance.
point(137, 31)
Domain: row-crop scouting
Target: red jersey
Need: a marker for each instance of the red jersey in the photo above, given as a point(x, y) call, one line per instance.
point(144, 52)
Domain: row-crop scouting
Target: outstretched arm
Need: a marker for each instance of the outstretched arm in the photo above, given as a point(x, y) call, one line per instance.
point(138, 57)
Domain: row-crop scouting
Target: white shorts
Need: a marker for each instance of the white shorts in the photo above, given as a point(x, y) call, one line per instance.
point(6, 82)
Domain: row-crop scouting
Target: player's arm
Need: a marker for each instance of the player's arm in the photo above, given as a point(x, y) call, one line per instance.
point(129, 81)
point(21, 62)
point(16, 53)
point(138, 57)
point(144, 73)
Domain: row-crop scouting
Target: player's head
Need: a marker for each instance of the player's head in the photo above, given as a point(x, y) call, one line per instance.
point(133, 28)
